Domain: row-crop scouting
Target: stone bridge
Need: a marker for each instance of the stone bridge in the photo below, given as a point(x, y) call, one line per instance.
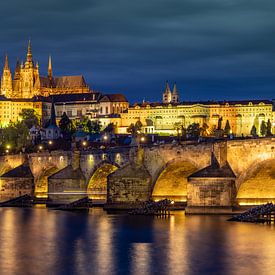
point(164, 171)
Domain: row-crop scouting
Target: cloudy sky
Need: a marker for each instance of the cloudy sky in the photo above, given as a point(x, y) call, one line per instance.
point(213, 49)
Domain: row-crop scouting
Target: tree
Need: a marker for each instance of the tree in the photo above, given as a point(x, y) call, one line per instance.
point(204, 130)
point(263, 129)
point(110, 128)
point(29, 117)
point(134, 129)
point(138, 126)
point(253, 131)
point(268, 128)
point(94, 126)
point(66, 125)
point(16, 135)
point(219, 124)
point(227, 128)
point(193, 130)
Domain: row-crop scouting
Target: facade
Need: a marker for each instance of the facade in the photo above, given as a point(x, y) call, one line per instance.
point(93, 105)
point(10, 108)
point(168, 116)
point(28, 83)
point(163, 118)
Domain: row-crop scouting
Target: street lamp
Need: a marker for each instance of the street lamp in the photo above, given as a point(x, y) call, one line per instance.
point(50, 142)
point(84, 143)
point(105, 138)
point(142, 139)
point(40, 147)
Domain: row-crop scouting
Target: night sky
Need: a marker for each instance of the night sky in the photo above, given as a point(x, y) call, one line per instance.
point(213, 49)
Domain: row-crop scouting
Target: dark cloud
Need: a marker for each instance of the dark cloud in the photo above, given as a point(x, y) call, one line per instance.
point(213, 49)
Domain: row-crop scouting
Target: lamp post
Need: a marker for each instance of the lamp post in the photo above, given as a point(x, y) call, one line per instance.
point(84, 143)
point(7, 148)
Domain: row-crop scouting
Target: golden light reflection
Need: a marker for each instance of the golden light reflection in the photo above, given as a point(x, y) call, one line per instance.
point(177, 247)
point(141, 255)
point(104, 247)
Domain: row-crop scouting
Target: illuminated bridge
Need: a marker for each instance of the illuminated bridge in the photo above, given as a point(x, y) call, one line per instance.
point(221, 174)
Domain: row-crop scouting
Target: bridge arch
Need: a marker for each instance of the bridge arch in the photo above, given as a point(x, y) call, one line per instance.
point(97, 185)
point(171, 180)
point(256, 185)
point(41, 181)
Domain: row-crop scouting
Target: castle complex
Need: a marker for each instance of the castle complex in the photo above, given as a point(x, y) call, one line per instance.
point(28, 83)
point(27, 89)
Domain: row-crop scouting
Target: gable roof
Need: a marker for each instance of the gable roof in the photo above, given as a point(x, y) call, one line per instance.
point(71, 81)
point(21, 171)
point(68, 173)
point(214, 171)
point(82, 97)
point(113, 98)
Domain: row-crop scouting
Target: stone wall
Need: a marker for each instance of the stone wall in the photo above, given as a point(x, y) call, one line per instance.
point(244, 154)
point(15, 187)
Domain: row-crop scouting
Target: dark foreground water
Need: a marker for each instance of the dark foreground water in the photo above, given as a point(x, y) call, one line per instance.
point(41, 241)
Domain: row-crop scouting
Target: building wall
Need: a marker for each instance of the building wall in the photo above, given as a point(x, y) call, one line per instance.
point(10, 110)
point(165, 117)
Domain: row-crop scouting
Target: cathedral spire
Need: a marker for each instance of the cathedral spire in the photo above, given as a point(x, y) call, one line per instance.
point(6, 67)
point(29, 55)
point(50, 71)
point(17, 70)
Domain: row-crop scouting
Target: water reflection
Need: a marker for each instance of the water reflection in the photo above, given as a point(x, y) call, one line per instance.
point(41, 241)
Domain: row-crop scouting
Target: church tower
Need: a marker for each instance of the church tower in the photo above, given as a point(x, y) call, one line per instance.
point(175, 94)
point(6, 80)
point(29, 77)
point(167, 95)
point(50, 70)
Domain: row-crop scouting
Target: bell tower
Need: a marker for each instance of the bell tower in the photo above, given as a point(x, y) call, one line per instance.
point(167, 95)
point(175, 94)
point(6, 80)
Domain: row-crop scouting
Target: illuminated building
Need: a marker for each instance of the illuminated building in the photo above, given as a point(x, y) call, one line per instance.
point(29, 90)
point(28, 83)
point(167, 116)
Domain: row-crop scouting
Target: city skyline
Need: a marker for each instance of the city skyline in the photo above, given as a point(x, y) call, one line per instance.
point(214, 51)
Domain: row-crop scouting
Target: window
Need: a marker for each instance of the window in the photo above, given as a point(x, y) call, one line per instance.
point(79, 112)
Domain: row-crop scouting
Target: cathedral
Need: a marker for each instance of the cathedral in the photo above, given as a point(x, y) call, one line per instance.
point(27, 89)
point(28, 83)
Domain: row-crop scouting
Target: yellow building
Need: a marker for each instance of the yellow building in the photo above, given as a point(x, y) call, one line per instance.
point(27, 82)
point(166, 117)
point(10, 109)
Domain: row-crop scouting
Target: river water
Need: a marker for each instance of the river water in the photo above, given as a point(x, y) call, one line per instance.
point(41, 241)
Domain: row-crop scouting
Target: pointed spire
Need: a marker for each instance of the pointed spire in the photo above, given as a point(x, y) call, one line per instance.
point(17, 70)
point(167, 88)
point(175, 91)
point(6, 67)
point(50, 71)
point(53, 116)
point(29, 54)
